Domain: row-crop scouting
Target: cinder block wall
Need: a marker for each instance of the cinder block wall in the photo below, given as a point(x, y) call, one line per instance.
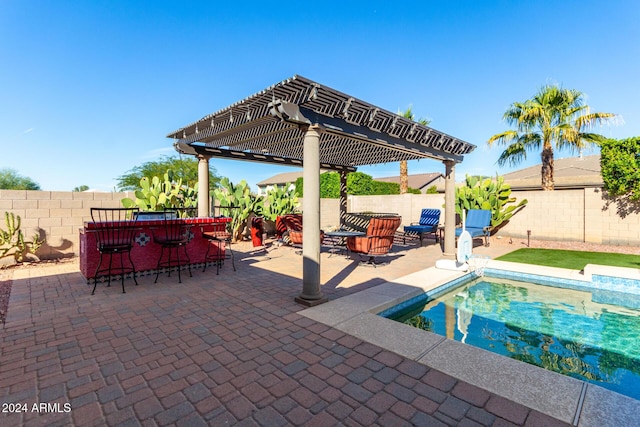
point(56, 216)
point(408, 206)
point(576, 215)
point(611, 222)
point(583, 215)
point(573, 215)
point(550, 215)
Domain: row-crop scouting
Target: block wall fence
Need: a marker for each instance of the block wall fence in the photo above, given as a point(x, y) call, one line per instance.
point(575, 215)
point(582, 215)
point(56, 216)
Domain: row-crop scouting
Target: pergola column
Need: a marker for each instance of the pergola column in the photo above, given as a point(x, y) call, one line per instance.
point(311, 294)
point(343, 197)
point(449, 209)
point(203, 185)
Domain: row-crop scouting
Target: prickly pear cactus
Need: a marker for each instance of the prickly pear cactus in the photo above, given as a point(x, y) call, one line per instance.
point(280, 201)
point(243, 201)
point(489, 194)
point(155, 194)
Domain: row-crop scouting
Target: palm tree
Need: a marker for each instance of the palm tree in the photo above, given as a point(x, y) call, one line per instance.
point(404, 170)
point(553, 118)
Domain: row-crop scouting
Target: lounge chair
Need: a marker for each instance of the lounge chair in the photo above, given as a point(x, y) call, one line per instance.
point(478, 224)
point(429, 221)
point(379, 238)
point(293, 225)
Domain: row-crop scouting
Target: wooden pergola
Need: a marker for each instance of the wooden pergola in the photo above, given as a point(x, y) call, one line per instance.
point(299, 122)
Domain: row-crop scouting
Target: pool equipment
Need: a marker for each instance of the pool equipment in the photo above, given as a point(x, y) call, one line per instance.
point(464, 252)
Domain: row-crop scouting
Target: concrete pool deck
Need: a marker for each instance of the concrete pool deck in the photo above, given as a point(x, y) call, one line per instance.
point(570, 400)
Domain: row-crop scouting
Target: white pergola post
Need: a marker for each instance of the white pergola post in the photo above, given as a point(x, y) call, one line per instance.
point(311, 294)
point(449, 209)
point(203, 186)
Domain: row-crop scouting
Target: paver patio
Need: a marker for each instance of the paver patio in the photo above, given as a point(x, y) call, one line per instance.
point(222, 350)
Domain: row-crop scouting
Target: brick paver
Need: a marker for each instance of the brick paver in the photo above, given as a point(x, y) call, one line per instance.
point(219, 350)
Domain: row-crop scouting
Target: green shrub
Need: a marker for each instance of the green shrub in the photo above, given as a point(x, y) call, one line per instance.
point(620, 167)
point(432, 189)
point(358, 183)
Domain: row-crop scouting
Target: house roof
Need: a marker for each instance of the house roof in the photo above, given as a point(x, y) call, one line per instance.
point(418, 181)
point(281, 178)
point(570, 172)
point(269, 126)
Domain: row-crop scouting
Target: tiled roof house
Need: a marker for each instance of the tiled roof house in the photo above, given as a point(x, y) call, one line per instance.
point(279, 180)
point(571, 172)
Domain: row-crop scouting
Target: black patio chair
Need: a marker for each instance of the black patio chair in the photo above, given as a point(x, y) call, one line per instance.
point(222, 236)
point(172, 234)
point(115, 230)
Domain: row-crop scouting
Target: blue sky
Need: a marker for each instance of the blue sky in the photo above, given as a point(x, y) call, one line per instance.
point(90, 89)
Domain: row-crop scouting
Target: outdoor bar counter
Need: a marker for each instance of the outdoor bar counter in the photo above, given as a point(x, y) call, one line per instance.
point(145, 250)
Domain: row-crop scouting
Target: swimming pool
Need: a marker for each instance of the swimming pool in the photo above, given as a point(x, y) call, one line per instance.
point(561, 325)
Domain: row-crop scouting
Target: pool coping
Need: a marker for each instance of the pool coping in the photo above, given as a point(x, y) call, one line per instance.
point(568, 399)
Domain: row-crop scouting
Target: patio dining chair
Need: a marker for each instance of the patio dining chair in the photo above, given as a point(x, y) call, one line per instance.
point(115, 230)
point(378, 240)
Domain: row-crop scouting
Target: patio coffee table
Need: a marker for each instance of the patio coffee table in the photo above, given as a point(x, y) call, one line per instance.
point(338, 239)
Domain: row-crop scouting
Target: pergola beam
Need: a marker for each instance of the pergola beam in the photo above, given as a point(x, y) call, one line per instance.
point(337, 126)
point(252, 157)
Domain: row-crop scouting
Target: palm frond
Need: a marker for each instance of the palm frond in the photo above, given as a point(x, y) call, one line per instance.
point(586, 121)
point(407, 114)
point(513, 155)
point(504, 138)
point(531, 141)
point(592, 138)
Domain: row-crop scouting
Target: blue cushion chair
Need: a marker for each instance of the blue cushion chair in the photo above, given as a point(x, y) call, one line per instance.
point(429, 221)
point(478, 224)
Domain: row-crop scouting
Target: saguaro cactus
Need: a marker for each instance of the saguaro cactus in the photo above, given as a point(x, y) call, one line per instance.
point(12, 241)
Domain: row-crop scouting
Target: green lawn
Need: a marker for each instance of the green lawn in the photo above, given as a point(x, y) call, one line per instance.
point(574, 260)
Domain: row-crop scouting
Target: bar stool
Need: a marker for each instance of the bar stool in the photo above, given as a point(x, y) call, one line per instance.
point(115, 229)
point(174, 235)
point(220, 237)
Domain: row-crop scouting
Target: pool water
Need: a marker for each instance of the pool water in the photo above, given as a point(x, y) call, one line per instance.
point(559, 329)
